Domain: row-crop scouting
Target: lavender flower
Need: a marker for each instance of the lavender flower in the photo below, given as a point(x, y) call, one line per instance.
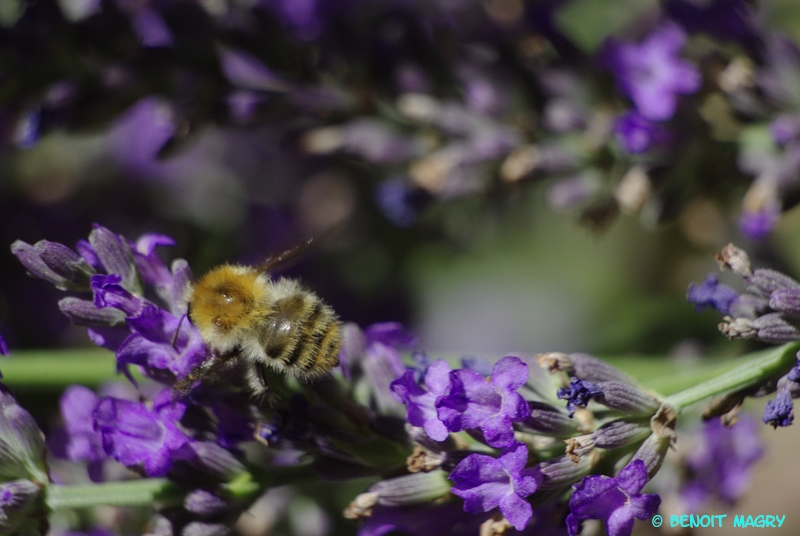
point(79, 440)
point(617, 501)
point(651, 73)
point(710, 293)
point(579, 393)
point(421, 403)
point(135, 435)
point(492, 406)
point(780, 412)
point(636, 134)
point(720, 465)
point(486, 483)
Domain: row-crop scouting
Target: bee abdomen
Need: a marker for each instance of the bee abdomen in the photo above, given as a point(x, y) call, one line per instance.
point(306, 338)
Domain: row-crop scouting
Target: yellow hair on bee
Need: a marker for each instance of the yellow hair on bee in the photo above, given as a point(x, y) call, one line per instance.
point(226, 302)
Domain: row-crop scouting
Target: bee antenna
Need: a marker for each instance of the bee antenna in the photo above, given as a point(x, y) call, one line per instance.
point(177, 331)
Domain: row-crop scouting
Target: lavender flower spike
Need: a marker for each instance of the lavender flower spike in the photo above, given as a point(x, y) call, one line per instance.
point(617, 501)
point(652, 74)
point(486, 483)
point(491, 405)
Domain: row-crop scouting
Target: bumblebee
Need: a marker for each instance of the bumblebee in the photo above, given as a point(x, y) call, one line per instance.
point(243, 314)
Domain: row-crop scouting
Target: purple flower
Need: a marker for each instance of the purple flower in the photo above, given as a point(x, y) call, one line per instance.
point(617, 501)
point(152, 29)
point(80, 441)
point(421, 404)
point(720, 464)
point(486, 483)
point(710, 293)
point(136, 435)
point(636, 134)
point(579, 393)
point(759, 223)
point(162, 341)
point(492, 406)
point(780, 412)
point(3, 347)
point(390, 334)
point(109, 293)
point(651, 73)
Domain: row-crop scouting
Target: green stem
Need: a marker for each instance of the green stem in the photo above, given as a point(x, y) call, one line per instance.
point(128, 493)
point(762, 366)
point(50, 370)
point(147, 491)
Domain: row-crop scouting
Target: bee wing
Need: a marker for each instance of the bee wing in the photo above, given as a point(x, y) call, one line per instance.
point(286, 256)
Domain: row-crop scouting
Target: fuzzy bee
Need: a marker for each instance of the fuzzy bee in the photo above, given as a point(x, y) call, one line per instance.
point(244, 315)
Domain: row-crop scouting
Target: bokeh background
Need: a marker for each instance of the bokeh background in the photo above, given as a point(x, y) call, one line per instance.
point(459, 157)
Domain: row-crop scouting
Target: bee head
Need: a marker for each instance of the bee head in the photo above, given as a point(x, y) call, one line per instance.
point(222, 302)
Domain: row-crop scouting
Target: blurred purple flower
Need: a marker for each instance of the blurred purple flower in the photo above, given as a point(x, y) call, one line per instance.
point(636, 134)
point(245, 71)
point(758, 224)
point(578, 394)
point(3, 348)
point(421, 403)
point(80, 441)
point(395, 199)
point(486, 483)
point(711, 293)
point(135, 435)
point(651, 73)
point(492, 406)
point(720, 464)
point(617, 501)
point(152, 29)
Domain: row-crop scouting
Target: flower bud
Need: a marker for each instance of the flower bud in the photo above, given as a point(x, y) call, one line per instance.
point(583, 366)
point(748, 306)
point(545, 419)
point(627, 398)
point(620, 433)
point(116, 256)
point(18, 511)
point(775, 328)
point(765, 281)
point(411, 489)
point(204, 503)
point(786, 300)
point(21, 443)
point(85, 313)
point(32, 260)
point(563, 471)
point(211, 460)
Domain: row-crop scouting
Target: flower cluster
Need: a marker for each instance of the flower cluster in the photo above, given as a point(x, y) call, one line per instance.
point(535, 444)
point(766, 310)
point(497, 434)
point(514, 94)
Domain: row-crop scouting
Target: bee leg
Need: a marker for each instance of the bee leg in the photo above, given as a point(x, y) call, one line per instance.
point(264, 395)
point(206, 369)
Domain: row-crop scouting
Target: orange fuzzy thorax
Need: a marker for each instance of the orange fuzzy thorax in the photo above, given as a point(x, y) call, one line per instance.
point(224, 303)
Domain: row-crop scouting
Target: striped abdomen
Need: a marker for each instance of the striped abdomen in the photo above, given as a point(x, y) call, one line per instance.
point(301, 334)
